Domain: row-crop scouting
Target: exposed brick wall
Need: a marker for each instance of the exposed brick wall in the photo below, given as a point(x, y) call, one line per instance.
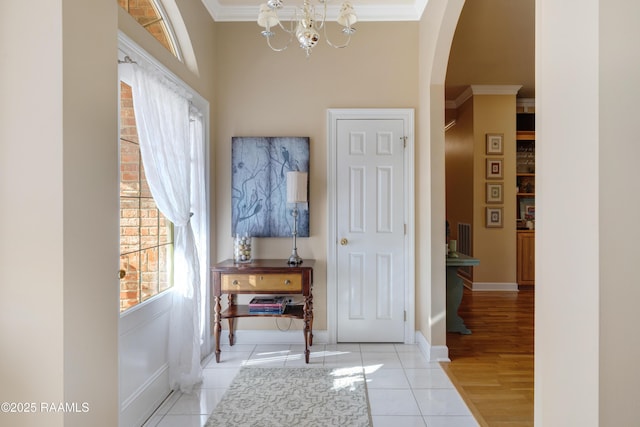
point(145, 234)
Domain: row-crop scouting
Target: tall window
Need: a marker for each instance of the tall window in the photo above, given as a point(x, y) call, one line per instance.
point(146, 236)
point(151, 15)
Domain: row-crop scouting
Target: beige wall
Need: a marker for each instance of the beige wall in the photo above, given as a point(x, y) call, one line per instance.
point(466, 184)
point(59, 171)
point(495, 247)
point(90, 203)
point(586, 370)
point(459, 168)
point(26, 374)
point(266, 93)
point(618, 153)
point(58, 159)
point(568, 288)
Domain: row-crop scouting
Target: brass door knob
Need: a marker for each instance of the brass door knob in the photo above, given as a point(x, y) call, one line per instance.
point(121, 274)
point(343, 241)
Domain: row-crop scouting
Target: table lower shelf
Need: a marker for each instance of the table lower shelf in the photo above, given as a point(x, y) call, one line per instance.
point(234, 311)
point(292, 311)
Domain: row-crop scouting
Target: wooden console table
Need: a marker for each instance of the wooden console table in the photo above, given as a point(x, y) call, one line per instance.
point(454, 292)
point(262, 276)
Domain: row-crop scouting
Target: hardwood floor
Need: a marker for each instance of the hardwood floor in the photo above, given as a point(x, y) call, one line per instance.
point(493, 367)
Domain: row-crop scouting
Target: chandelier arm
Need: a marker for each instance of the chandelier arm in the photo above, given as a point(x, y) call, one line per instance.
point(349, 32)
point(289, 31)
point(286, 45)
point(278, 49)
point(323, 17)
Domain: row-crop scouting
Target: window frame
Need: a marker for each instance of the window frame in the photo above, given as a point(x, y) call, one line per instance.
point(167, 28)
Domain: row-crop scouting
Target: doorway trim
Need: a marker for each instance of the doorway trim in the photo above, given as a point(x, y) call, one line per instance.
point(407, 116)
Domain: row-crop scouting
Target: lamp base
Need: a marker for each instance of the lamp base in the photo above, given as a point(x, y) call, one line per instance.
point(294, 259)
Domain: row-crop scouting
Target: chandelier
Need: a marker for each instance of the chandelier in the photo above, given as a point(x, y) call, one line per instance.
point(305, 24)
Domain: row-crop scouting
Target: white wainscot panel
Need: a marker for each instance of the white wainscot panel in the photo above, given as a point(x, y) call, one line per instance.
point(143, 354)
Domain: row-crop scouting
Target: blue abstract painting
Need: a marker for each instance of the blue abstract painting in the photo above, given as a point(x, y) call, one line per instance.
point(259, 185)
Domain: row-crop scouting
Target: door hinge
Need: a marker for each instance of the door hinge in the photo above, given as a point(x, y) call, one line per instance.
point(405, 229)
point(405, 315)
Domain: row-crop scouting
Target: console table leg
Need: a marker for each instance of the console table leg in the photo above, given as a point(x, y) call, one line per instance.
point(308, 316)
point(307, 352)
point(232, 335)
point(310, 320)
point(217, 328)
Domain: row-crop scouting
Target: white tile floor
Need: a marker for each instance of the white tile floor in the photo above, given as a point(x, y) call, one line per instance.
point(405, 390)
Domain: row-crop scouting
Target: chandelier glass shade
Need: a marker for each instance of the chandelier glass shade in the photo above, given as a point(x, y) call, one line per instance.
point(305, 24)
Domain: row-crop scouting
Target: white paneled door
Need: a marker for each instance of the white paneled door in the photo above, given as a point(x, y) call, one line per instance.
point(370, 230)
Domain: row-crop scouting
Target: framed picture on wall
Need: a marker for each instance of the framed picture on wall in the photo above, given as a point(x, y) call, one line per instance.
point(494, 143)
point(494, 168)
point(259, 167)
point(494, 192)
point(494, 217)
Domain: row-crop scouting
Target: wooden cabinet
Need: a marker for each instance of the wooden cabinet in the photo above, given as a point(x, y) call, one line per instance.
point(526, 258)
point(261, 276)
point(526, 206)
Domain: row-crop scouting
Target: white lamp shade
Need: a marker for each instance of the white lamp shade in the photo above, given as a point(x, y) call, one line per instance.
point(297, 187)
point(267, 17)
point(347, 16)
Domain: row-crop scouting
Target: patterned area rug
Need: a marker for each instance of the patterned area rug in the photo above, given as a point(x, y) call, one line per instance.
point(310, 397)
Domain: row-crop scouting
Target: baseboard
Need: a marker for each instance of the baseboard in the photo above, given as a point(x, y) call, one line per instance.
point(433, 353)
point(135, 409)
point(273, 337)
point(492, 286)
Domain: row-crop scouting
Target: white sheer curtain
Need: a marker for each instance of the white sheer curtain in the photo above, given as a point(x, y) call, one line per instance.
point(166, 144)
point(199, 221)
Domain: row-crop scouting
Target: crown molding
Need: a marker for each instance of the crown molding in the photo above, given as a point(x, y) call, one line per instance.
point(526, 102)
point(483, 90)
point(366, 13)
point(450, 105)
point(495, 89)
point(461, 99)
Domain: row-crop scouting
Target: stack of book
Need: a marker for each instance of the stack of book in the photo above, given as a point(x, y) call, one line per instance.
point(267, 305)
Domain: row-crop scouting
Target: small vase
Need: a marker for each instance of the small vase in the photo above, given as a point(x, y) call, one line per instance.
point(242, 245)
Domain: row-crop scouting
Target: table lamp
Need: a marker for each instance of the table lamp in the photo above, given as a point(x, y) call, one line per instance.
point(296, 193)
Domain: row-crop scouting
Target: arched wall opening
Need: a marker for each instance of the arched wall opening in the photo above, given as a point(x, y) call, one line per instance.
point(437, 28)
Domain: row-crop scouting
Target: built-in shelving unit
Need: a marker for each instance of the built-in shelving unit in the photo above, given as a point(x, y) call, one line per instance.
point(525, 176)
point(526, 204)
